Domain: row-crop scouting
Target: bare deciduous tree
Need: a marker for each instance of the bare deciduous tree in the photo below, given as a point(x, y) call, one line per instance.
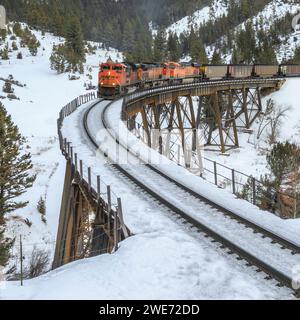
point(272, 121)
point(39, 263)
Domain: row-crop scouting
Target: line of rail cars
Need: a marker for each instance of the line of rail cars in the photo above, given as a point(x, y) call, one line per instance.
point(115, 78)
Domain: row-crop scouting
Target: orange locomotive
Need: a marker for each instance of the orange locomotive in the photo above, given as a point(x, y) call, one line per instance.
point(115, 78)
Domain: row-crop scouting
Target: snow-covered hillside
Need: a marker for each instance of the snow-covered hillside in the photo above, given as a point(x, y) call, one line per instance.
point(273, 12)
point(217, 9)
point(35, 113)
point(265, 19)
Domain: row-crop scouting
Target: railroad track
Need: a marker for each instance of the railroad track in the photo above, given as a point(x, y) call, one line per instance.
point(290, 250)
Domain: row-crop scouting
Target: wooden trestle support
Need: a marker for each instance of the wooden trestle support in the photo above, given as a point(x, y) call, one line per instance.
point(206, 117)
point(88, 224)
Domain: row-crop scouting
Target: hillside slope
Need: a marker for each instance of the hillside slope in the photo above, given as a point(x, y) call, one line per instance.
point(35, 111)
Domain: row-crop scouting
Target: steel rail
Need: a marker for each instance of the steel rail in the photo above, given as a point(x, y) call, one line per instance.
point(136, 96)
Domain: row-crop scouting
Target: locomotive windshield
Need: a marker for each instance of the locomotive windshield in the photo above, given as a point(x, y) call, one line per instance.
point(105, 67)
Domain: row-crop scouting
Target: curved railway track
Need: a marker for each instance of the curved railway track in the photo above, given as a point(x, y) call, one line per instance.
point(290, 250)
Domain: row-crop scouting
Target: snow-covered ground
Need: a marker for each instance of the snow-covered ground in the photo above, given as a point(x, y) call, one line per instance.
point(164, 259)
point(152, 265)
point(35, 114)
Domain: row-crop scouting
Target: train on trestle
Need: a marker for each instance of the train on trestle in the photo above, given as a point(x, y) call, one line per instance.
point(116, 78)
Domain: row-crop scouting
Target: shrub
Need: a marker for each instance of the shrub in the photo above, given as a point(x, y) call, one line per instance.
point(283, 159)
point(41, 206)
point(7, 88)
point(14, 46)
point(4, 53)
point(38, 265)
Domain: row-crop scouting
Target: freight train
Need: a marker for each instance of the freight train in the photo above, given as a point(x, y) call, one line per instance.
point(116, 78)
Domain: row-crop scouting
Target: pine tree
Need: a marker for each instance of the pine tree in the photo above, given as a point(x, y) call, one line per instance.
point(159, 49)
point(58, 59)
point(7, 87)
point(235, 59)
point(14, 46)
point(173, 47)
point(283, 159)
point(5, 245)
point(4, 53)
point(216, 58)
point(74, 38)
point(15, 178)
point(196, 48)
point(128, 41)
point(15, 165)
point(3, 34)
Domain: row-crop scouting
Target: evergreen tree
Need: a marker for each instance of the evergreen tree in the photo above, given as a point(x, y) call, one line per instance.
point(196, 48)
point(41, 206)
point(159, 49)
point(235, 59)
point(246, 44)
point(19, 55)
point(216, 58)
point(15, 178)
point(69, 57)
point(5, 245)
point(4, 53)
point(128, 41)
point(15, 165)
point(74, 39)
point(283, 159)
point(173, 47)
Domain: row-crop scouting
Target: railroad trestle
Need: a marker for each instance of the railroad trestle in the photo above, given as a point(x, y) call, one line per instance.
point(208, 115)
point(91, 218)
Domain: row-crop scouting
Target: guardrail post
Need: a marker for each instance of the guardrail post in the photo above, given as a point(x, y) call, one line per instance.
point(90, 178)
point(99, 186)
point(233, 182)
point(116, 230)
point(65, 145)
point(120, 214)
point(81, 169)
point(108, 208)
point(215, 173)
point(76, 163)
point(68, 150)
point(72, 156)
